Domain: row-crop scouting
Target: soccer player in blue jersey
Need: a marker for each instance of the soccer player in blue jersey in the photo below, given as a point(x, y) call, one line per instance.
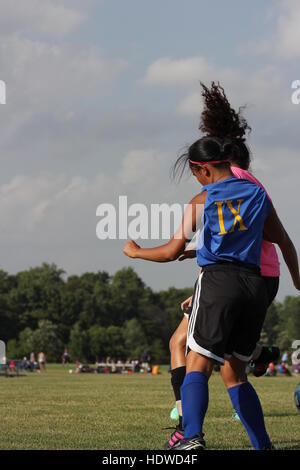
point(218, 118)
point(230, 297)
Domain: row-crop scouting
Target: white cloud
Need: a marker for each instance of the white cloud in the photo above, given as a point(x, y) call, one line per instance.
point(45, 16)
point(191, 105)
point(263, 89)
point(47, 206)
point(50, 75)
point(141, 165)
point(182, 72)
point(288, 44)
point(186, 72)
point(285, 43)
point(56, 81)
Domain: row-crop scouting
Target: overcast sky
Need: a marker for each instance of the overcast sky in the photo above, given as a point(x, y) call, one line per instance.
point(101, 97)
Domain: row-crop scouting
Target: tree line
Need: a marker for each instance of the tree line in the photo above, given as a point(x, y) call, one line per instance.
point(98, 315)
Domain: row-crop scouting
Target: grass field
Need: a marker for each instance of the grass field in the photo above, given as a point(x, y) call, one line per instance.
point(58, 410)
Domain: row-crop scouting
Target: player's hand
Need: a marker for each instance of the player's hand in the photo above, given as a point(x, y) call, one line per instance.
point(187, 303)
point(188, 254)
point(131, 249)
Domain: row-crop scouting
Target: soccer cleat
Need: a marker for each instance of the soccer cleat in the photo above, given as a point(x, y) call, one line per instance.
point(258, 369)
point(176, 436)
point(191, 443)
point(268, 354)
point(260, 365)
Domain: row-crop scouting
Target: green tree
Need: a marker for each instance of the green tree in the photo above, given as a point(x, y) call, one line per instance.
point(127, 291)
point(134, 338)
point(37, 290)
point(116, 345)
point(46, 338)
point(155, 323)
point(25, 343)
point(289, 321)
point(78, 346)
point(99, 345)
point(270, 329)
point(158, 352)
point(170, 301)
point(12, 349)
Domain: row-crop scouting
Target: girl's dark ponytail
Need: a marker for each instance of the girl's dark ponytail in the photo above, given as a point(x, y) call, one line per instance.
point(220, 120)
point(225, 134)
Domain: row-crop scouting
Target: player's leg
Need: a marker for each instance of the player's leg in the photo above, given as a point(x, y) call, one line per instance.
point(263, 355)
point(177, 347)
point(240, 346)
point(177, 344)
point(246, 402)
point(177, 350)
point(195, 392)
point(206, 341)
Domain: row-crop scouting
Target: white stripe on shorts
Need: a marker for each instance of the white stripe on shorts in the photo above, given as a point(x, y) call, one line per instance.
point(190, 342)
point(193, 315)
point(241, 357)
point(195, 347)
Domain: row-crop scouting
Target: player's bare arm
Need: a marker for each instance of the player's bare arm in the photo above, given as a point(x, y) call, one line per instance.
point(175, 247)
point(275, 232)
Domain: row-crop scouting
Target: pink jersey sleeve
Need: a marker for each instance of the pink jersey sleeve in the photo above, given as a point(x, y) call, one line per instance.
point(269, 263)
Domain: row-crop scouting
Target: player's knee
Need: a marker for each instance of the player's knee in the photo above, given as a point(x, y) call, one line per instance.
point(232, 378)
point(177, 341)
point(173, 343)
point(234, 381)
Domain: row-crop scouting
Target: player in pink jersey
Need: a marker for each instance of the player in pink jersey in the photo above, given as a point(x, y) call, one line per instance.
point(219, 119)
point(269, 264)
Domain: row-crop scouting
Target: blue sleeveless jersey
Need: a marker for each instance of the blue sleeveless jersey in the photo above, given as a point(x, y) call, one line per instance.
point(234, 214)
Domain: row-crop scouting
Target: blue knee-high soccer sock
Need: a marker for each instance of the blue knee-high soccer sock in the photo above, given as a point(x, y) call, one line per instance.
point(194, 400)
point(246, 403)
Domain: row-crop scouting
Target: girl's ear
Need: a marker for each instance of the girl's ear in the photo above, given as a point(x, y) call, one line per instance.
point(206, 172)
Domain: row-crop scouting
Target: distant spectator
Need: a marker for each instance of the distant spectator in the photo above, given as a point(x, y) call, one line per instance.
point(284, 369)
point(108, 360)
point(12, 366)
point(65, 358)
point(41, 361)
point(137, 366)
point(78, 366)
point(113, 366)
point(26, 364)
point(146, 360)
point(271, 370)
point(32, 360)
point(285, 357)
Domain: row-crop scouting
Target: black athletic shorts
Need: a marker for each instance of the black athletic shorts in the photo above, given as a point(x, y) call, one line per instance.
point(272, 285)
point(228, 311)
